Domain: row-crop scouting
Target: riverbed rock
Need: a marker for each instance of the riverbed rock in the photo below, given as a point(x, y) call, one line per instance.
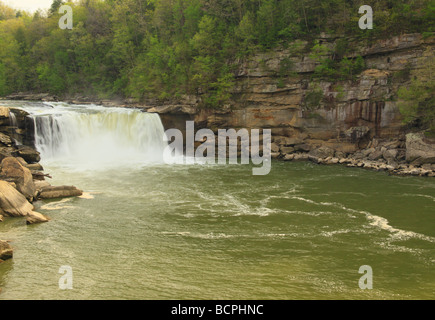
point(29, 154)
point(6, 251)
point(35, 217)
point(12, 202)
point(22, 176)
point(52, 192)
point(419, 150)
point(322, 152)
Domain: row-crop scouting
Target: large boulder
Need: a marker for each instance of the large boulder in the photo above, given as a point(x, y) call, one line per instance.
point(52, 192)
point(22, 176)
point(419, 150)
point(35, 217)
point(322, 152)
point(6, 251)
point(27, 153)
point(12, 202)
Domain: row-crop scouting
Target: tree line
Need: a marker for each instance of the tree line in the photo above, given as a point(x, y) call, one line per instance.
point(167, 48)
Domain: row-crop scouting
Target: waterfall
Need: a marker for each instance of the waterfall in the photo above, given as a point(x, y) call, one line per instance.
point(97, 137)
point(13, 123)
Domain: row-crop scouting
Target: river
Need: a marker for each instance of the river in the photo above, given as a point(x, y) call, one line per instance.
point(147, 230)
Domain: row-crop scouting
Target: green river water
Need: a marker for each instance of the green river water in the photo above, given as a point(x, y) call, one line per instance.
point(218, 232)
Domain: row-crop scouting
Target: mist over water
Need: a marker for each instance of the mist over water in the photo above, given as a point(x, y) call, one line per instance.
point(147, 230)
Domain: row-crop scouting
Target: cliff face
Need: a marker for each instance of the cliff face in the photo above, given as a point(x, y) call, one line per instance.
point(346, 114)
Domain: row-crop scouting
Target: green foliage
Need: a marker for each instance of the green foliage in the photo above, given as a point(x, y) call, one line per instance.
point(166, 48)
point(417, 101)
point(313, 98)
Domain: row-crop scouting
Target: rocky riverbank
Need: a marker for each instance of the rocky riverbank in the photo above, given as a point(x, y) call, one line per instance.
point(22, 180)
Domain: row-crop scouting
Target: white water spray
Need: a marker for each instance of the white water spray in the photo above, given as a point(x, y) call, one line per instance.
point(95, 137)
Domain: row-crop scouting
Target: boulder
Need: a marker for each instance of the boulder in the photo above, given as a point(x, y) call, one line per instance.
point(35, 217)
point(390, 154)
point(302, 147)
point(52, 192)
point(12, 202)
point(22, 176)
point(6, 251)
point(274, 147)
point(376, 155)
point(29, 154)
point(418, 149)
point(287, 150)
point(322, 152)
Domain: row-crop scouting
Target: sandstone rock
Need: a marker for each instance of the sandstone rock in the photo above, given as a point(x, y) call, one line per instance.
point(322, 152)
point(376, 155)
point(427, 166)
point(357, 133)
point(274, 147)
point(22, 176)
point(12, 202)
point(289, 157)
point(301, 156)
point(5, 139)
point(1, 218)
point(302, 147)
point(287, 150)
point(418, 150)
point(60, 192)
point(39, 185)
point(29, 154)
point(35, 217)
point(275, 155)
point(6, 251)
point(334, 160)
point(34, 167)
point(4, 112)
point(390, 154)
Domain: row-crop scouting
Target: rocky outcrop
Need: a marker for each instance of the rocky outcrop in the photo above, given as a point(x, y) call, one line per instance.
point(419, 150)
point(22, 176)
point(347, 114)
point(6, 251)
point(35, 217)
point(51, 192)
point(12, 202)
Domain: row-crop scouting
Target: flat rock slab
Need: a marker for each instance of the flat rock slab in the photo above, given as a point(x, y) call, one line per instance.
point(52, 192)
point(6, 251)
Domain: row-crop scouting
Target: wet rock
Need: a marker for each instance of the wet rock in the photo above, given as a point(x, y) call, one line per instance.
point(6, 251)
point(52, 192)
point(29, 154)
point(35, 217)
point(418, 150)
point(22, 176)
point(12, 202)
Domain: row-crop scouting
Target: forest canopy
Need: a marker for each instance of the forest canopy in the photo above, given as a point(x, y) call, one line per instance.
point(166, 48)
